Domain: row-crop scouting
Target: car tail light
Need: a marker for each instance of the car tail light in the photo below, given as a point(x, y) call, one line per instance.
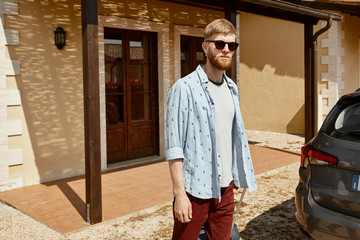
point(315, 157)
point(303, 154)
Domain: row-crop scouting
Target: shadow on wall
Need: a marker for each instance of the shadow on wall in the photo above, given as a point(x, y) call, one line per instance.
point(294, 127)
point(274, 42)
point(51, 89)
point(157, 11)
point(271, 73)
point(278, 222)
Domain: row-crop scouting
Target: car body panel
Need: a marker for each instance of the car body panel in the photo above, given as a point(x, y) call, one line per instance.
point(322, 223)
point(332, 185)
point(328, 194)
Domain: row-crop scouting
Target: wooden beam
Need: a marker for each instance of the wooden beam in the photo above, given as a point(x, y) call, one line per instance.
point(91, 110)
point(344, 7)
point(230, 14)
point(271, 8)
point(309, 98)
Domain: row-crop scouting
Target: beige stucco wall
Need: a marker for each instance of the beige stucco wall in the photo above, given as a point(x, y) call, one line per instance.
point(272, 74)
point(50, 82)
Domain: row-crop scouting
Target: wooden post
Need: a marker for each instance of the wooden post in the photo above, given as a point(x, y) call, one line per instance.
point(309, 82)
point(230, 14)
point(91, 110)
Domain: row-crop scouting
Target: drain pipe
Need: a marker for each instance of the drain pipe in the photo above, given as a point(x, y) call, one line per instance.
point(314, 72)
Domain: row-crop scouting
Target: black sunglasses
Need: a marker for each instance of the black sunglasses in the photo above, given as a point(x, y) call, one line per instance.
point(221, 44)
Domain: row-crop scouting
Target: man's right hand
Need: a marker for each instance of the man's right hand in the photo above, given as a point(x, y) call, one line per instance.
point(182, 204)
point(182, 208)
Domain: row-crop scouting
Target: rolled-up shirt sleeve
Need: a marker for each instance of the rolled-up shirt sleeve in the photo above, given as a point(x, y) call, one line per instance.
point(176, 120)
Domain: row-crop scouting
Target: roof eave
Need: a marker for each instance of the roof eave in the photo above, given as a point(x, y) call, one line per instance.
point(271, 8)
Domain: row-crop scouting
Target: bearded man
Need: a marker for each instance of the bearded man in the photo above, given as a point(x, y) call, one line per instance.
point(206, 144)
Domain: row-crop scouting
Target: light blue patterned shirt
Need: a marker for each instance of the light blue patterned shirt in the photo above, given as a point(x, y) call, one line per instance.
point(190, 135)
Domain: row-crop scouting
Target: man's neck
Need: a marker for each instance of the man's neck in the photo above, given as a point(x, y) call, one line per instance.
point(213, 73)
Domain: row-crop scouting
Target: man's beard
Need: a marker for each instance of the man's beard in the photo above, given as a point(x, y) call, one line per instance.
point(216, 62)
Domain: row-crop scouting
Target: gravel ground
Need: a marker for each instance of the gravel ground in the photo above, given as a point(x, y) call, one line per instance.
point(283, 141)
point(267, 213)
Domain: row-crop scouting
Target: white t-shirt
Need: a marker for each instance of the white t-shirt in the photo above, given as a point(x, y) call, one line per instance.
point(224, 116)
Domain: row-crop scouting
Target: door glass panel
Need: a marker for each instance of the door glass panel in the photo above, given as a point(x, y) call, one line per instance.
point(139, 77)
point(139, 48)
point(113, 65)
point(114, 78)
point(114, 108)
point(140, 106)
point(185, 56)
point(136, 50)
point(200, 55)
point(185, 51)
point(139, 64)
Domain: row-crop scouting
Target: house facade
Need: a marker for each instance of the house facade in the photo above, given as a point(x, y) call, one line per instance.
point(144, 47)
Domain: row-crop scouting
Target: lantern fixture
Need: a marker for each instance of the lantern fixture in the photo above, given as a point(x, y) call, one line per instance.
point(60, 38)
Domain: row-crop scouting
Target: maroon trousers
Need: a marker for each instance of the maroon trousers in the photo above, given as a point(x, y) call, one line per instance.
point(216, 216)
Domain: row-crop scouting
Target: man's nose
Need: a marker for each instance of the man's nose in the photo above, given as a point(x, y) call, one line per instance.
point(226, 48)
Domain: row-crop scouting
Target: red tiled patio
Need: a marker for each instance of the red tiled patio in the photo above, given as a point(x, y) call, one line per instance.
point(61, 204)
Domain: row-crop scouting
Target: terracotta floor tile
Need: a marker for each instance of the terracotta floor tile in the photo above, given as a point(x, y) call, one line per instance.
point(61, 204)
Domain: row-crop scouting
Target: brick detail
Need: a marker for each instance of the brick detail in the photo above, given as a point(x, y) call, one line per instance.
point(13, 127)
point(335, 66)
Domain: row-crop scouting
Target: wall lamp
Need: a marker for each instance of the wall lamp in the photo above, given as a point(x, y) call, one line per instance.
point(60, 38)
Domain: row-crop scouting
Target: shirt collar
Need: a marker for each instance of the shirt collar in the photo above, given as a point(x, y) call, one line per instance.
point(202, 75)
point(205, 80)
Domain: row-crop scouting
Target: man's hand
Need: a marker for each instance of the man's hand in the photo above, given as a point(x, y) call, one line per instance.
point(182, 208)
point(182, 204)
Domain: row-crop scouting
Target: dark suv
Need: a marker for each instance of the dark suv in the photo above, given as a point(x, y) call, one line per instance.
point(328, 194)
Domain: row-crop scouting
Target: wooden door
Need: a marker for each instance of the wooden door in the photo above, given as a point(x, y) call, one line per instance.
point(131, 94)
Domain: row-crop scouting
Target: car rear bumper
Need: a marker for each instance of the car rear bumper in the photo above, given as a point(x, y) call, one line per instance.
point(322, 223)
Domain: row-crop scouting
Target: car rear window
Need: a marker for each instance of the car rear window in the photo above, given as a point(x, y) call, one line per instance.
point(347, 123)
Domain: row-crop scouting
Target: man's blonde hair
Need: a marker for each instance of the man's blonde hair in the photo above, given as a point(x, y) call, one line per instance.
point(218, 26)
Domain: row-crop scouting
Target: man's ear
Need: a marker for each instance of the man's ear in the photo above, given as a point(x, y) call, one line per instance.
point(205, 47)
